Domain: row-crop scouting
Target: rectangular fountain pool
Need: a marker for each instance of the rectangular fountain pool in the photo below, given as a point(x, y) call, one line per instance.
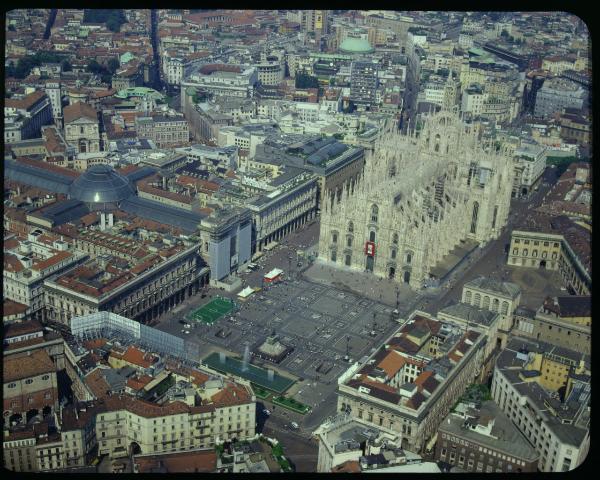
point(259, 376)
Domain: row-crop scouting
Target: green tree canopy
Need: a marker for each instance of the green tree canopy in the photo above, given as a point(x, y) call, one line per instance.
point(304, 80)
point(113, 65)
point(95, 67)
point(113, 18)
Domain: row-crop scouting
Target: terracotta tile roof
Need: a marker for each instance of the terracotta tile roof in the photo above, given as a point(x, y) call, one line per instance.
point(128, 169)
point(95, 343)
point(422, 377)
point(379, 385)
point(22, 328)
point(17, 214)
point(53, 142)
point(137, 383)
point(25, 366)
point(24, 343)
point(11, 243)
point(79, 110)
point(144, 187)
point(198, 378)
point(26, 102)
point(135, 356)
point(104, 93)
point(143, 408)
point(231, 394)
point(349, 466)
point(403, 344)
point(10, 308)
point(146, 265)
point(74, 418)
point(392, 363)
point(49, 262)
point(89, 219)
point(97, 383)
point(416, 400)
point(430, 384)
point(454, 357)
point(182, 462)
point(46, 166)
point(12, 263)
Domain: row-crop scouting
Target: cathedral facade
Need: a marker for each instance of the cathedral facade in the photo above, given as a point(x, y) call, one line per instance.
point(418, 197)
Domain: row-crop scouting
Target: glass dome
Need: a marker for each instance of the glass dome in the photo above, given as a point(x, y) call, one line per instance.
point(101, 184)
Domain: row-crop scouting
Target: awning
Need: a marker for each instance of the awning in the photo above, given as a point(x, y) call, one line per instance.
point(273, 274)
point(246, 292)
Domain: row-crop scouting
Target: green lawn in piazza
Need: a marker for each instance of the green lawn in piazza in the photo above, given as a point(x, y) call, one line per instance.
point(212, 311)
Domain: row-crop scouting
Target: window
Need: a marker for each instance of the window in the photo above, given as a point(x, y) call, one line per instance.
point(372, 236)
point(45, 377)
point(515, 251)
point(29, 381)
point(12, 385)
point(374, 213)
point(334, 237)
point(351, 227)
point(349, 241)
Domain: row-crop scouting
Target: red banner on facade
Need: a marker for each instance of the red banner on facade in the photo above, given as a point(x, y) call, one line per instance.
point(370, 249)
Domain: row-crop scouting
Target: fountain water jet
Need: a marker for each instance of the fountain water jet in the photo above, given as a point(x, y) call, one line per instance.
point(246, 358)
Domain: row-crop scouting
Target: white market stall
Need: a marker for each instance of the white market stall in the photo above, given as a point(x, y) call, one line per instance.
point(246, 292)
point(273, 276)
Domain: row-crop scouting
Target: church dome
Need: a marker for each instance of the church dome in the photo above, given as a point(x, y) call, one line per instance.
point(356, 45)
point(101, 184)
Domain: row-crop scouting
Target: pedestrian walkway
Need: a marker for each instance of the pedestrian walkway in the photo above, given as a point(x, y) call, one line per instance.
point(365, 284)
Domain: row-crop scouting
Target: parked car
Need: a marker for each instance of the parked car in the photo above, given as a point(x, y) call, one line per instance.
point(267, 412)
point(295, 426)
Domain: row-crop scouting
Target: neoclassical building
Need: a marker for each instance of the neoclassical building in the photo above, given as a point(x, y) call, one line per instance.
point(82, 127)
point(419, 196)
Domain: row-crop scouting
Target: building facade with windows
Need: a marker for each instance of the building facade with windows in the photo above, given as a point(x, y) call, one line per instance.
point(484, 440)
point(563, 321)
point(82, 127)
point(556, 424)
point(494, 295)
point(30, 386)
point(555, 243)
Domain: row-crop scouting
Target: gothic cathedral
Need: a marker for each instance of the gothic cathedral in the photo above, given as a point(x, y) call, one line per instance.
point(418, 196)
